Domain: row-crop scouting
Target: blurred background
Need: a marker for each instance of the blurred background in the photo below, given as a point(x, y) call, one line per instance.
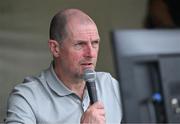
point(24, 31)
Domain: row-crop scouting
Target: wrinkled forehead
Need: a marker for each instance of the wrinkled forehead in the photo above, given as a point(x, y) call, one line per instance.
point(77, 28)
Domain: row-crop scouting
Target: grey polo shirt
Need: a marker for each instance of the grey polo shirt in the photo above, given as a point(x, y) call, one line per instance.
point(45, 99)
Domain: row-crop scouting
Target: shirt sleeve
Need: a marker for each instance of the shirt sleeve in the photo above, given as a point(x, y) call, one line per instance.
point(116, 87)
point(19, 110)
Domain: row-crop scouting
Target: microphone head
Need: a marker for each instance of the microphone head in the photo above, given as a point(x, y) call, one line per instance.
point(89, 75)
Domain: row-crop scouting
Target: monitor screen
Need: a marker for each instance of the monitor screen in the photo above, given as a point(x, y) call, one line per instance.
point(148, 69)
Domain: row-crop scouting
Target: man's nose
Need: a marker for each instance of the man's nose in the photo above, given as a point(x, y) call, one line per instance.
point(89, 52)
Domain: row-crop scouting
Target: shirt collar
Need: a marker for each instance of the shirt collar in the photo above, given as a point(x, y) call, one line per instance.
point(55, 84)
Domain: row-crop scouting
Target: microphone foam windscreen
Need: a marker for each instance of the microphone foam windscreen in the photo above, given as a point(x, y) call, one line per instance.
point(89, 75)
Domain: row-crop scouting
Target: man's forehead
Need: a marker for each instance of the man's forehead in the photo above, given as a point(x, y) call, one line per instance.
point(82, 29)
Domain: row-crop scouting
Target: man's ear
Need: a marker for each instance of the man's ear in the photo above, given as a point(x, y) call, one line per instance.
point(54, 47)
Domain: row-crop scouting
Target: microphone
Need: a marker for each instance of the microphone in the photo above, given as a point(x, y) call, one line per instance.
point(90, 76)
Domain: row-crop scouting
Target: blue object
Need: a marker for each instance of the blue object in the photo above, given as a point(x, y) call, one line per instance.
point(157, 97)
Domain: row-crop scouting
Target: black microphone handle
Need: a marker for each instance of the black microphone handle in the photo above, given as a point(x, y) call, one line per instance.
point(91, 87)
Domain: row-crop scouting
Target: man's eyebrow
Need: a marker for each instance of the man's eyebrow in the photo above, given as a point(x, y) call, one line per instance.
point(87, 41)
point(80, 41)
point(97, 39)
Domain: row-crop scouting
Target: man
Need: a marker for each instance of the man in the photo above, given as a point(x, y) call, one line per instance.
point(59, 94)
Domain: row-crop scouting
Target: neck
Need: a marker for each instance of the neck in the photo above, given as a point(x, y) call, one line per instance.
point(75, 85)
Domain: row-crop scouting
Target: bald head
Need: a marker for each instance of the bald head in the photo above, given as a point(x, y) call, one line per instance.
point(58, 26)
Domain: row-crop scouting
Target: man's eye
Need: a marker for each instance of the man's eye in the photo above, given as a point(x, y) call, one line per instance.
point(79, 45)
point(95, 44)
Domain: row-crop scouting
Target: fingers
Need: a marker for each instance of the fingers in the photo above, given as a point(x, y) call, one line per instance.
point(94, 114)
point(98, 105)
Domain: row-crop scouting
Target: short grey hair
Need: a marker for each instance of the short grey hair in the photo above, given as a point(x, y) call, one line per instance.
point(58, 26)
point(58, 23)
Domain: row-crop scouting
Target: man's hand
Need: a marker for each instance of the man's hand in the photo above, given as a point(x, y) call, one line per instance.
point(95, 114)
